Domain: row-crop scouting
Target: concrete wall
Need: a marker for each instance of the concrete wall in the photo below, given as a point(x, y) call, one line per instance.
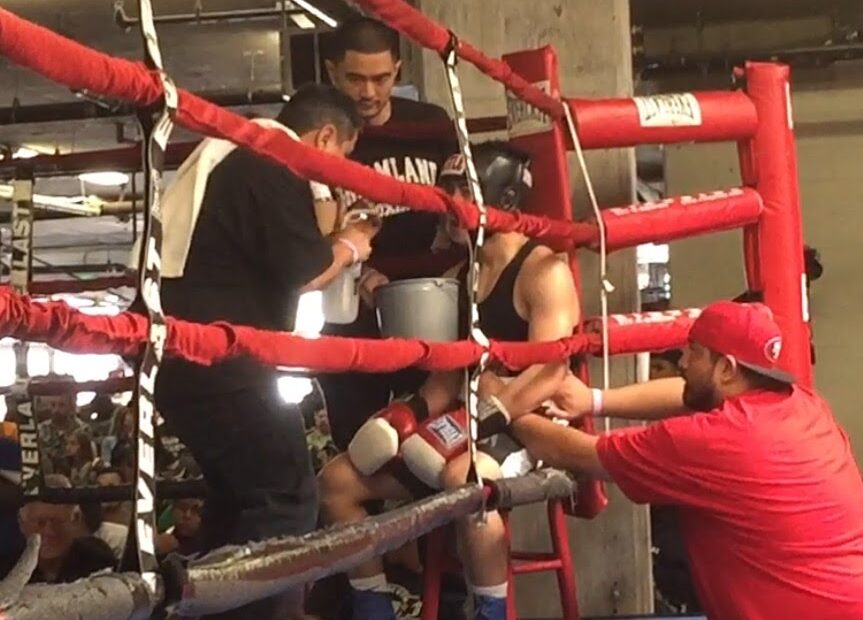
point(829, 127)
point(612, 553)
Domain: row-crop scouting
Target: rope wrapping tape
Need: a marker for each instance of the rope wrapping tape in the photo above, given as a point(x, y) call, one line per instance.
point(537, 486)
point(113, 596)
point(62, 327)
point(234, 576)
point(81, 68)
point(426, 32)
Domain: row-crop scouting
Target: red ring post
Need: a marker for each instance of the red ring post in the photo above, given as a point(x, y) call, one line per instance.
point(771, 163)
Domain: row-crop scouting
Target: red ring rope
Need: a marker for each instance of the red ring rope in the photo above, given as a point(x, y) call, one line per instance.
point(82, 68)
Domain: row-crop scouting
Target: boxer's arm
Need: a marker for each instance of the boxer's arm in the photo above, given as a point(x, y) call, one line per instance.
point(440, 390)
point(552, 305)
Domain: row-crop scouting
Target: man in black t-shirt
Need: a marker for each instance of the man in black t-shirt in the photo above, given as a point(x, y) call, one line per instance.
point(254, 248)
point(364, 64)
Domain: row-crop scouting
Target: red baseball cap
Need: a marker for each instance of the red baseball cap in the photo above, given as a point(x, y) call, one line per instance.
point(746, 332)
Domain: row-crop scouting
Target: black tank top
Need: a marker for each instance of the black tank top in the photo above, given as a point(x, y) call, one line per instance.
point(497, 315)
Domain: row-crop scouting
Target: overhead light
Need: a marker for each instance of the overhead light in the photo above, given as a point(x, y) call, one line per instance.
point(23, 152)
point(66, 204)
point(311, 8)
point(302, 21)
point(107, 178)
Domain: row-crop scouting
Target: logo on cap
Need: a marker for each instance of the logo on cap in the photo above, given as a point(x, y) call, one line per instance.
point(454, 165)
point(773, 349)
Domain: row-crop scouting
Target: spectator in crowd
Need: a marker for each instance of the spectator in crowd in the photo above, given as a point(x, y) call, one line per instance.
point(64, 555)
point(60, 420)
point(93, 524)
point(11, 539)
point(183, 536)
point(99, 414)
point(317, 423)
point(123, 460)
point(119, 513)
point(80, 458)
point(122, 433)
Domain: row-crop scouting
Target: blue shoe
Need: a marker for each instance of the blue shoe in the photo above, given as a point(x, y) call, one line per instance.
point(489, 608)
point(372, 605)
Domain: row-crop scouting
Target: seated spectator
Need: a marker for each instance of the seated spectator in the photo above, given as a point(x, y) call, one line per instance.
point(319, 438)
point(183, 536)
point(81, 458)
point(113, 512)
point(122, 432)
point(123, 461)
point(64, 556)
point(62, 421)
point(94, 524)
point(11, 539)
point(99, 415)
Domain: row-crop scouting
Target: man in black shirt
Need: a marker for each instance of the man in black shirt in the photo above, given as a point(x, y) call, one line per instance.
point(254, 248)
point(364, 64)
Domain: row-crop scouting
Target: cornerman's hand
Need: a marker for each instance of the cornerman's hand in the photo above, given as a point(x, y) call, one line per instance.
point(573, 399)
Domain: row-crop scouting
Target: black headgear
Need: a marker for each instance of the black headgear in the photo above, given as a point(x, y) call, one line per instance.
point(504, 174)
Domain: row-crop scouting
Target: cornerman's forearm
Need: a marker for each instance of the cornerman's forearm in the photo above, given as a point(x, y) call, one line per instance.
point(654, 400)
point(558, 446)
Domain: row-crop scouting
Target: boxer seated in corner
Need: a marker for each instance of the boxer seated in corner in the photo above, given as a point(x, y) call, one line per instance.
point(418, 443)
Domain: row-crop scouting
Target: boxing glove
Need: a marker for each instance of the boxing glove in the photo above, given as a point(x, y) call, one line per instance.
point(439, 440)
point(377, 441)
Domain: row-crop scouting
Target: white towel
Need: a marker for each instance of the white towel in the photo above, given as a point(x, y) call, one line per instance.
point(181, 200)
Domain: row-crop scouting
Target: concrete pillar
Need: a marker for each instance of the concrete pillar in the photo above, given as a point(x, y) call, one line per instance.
point(592, 41)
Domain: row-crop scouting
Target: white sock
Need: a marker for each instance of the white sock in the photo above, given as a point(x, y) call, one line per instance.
point(498, 591)
point(375, 583)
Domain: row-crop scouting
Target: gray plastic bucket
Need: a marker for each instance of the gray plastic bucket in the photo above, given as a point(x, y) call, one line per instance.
point(425, 308)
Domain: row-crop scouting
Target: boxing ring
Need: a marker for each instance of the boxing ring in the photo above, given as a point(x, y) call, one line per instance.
point(766, 206)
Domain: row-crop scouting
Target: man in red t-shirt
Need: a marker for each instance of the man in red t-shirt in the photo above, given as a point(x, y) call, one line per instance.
point(769, 496)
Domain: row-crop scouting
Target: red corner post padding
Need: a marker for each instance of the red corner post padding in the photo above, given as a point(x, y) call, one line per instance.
point(641, 332)
point(772, 163)
point(664, 119)
point(680, 217)
point(545, 139)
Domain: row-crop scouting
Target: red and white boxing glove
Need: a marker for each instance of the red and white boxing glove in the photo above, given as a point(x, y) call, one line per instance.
point(377, 441)
point(439, 440)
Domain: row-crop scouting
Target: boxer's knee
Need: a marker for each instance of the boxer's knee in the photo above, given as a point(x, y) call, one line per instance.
point(455, 473)
point(339, 487)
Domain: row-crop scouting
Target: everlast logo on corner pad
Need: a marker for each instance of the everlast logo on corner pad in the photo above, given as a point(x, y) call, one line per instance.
point(674, 110)
point(522, 118)
point(645, 318)
point(28, 437)
point(407, 169)
point(683, 201)
point(22, 234)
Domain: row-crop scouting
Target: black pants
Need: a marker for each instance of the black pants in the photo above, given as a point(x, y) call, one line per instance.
point(251, 448)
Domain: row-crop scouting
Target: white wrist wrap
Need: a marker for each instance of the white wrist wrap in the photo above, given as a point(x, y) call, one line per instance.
point(596, 401)
point(320, 191)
